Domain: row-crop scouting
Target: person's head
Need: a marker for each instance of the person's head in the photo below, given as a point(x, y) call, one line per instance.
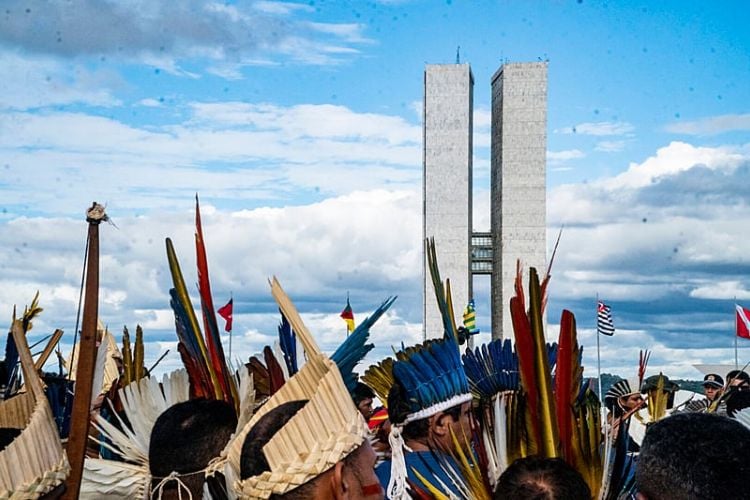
point(363, 397)
point(694, 455)
point(185, 438)
point(738, 378)
point(353, 477)
point(535, 478)
point(623, 397)
point(434, 431)
point(651, 386)
point(712, 386)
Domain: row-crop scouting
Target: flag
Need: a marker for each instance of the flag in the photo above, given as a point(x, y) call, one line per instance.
point(743, 322)
point(226, 313)
point(348, 315)
point(470, 318)
point(604, 323)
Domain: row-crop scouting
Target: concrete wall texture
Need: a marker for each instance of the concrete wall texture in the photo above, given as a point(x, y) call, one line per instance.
point(447, 184)
point(518, 181)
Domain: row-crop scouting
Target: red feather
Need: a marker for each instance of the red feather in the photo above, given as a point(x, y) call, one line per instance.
point(567, 357)
point(525, 351)
point(196, 373)
point(211, 328)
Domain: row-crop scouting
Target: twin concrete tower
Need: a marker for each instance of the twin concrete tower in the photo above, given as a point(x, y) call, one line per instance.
point(517, 191)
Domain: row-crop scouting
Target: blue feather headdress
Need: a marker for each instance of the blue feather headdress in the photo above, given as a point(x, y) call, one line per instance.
point(493, 367)
point(355, 347)
point(433, 380)
point(432, 377)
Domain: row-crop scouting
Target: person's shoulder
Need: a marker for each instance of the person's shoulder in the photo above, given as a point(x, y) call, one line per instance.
point(383, 471)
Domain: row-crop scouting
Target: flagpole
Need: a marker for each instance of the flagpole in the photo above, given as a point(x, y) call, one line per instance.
point(736, 359)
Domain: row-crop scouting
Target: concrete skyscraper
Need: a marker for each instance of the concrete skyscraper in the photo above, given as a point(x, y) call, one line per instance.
point(518, 181)
point(517, 191)
point(447, 183)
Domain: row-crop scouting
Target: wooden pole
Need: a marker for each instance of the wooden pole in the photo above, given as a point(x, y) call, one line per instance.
point(79, 428)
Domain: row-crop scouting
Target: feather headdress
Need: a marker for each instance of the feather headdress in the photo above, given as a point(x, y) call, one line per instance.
point(433, 380)
point(34, 462)
point(295, 461)
point(203, 356)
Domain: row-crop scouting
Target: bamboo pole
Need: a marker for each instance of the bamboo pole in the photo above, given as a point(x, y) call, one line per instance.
point(42, 359)
point(79, 429)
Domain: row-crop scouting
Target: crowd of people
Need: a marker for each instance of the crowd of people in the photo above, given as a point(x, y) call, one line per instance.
point(506, 420)
point(422, 428)
point(411, 448)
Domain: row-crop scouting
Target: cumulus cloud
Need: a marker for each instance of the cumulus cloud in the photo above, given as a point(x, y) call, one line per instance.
point(239, 33)
point(660, 243)
point(319, 252)
point(712, 125)
point(236, 151)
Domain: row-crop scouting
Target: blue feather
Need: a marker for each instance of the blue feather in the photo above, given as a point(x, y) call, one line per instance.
point(431, 373)
point(355, 347)
point(288, 343)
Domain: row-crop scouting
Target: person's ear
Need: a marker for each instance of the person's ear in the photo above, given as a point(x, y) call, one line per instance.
point(340, 488)
point(440, 424)
point(640, 496)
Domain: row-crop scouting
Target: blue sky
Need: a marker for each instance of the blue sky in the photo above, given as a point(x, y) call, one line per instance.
point(298, 123)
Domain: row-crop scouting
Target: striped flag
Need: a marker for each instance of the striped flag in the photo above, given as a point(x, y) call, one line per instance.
point(604, 323)
point(348, 315)
point(470, 318)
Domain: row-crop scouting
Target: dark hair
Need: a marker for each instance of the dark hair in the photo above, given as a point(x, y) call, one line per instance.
point(361, 392)
point(536, 478)
point(252, 460)
point(186, 437)
point(399, 408)
point(738, 375)
point(694, 455)
point(737, 400)
point(7, 436)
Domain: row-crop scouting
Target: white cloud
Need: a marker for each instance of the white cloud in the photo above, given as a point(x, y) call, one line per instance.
point(269, 151)
point(35, 82)
point(349, 32)
point(722, 290)
point(672, 159)
point(366, 243)
point(610, 146)
point(712, 125)
point(151, 103)
point(240, 33)
point(283, 8)
point(556, 157)
point(598, 129)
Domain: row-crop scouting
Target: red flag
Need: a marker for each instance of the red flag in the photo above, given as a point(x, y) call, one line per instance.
point(226, 313)
point(743, 322)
